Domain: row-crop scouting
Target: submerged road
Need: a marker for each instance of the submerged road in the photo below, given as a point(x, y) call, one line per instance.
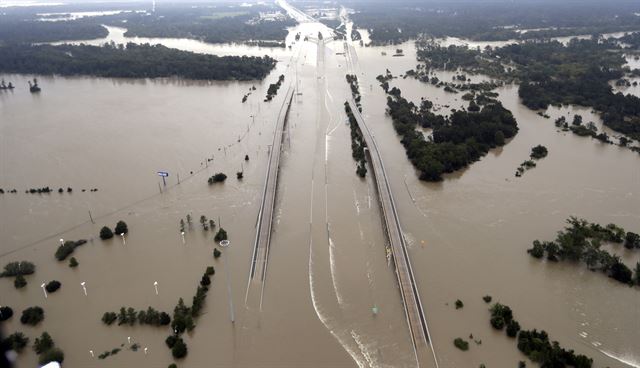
point(406, 280)
point(262, 242)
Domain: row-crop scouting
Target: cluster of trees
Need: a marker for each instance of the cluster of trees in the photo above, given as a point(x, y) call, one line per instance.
point(217, 178)
point(107, 233)
point(538, 152)
point(130, 61)
point(16, 30)
point(357, 143)
point(273, 88)
point(17, 341)
point(457, 140)
point(129, 316)
point(32, 316)
point(221, 235)
point(206, 224)
point(227, 24)
point(184, 317)
point(67, 248)
point(5, 313)
point(578, 73)
point(46, 349)
point(581, 241)
point(399, 21)
point(534, 344)
point(18, 270)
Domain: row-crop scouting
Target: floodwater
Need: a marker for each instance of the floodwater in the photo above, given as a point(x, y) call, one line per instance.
point(328, 265)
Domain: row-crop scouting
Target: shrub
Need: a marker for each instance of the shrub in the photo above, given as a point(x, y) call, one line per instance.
point(19, 282)
point(497, 322)
point(51, 355)
point(106, 233)
point(210, 271)
point(173, 365)
point(221, 235)
point(513, 328)
point(43, 343)
point(179, 349)
point(461, 344)
point(171, 340)
point(32, 316)
point(205, 281)
point(459, 304)
point(109, 317)
point(73, 262)
point(217, 178)
point(18, 268)
point(17, 341)
point(121, 228)
point(216, 253)
point(487, 298)
point(53, 286)
point(67, 248)
point(5, 313)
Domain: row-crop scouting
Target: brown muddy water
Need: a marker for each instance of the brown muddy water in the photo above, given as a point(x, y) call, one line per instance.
point(328, 265)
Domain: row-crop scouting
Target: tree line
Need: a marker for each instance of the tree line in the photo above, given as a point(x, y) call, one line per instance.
point(130, 61)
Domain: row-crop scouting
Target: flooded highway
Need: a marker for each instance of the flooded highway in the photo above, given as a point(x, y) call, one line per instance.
point(328, 265)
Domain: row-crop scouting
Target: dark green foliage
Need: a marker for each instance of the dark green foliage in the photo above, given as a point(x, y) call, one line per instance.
point(221, 235)
point(580, 241)
point(121, 228)
point(109, 317)
point(513, 328)
point(487, 298)
point(132, 61)
point(173, 365)
point(458, 140)
point(632, 240)
point(171, 341)
point(43, 343)
point(32, 316)
point(217, 178)
point(210, 271)
point(522, 364)
point(5, 313)
point(273, 88)
point(73, 262)
point(357, 142)
point(636, 276)
point(18, 268)
point(127, 316)
point(198, 299)
point(538, 152)
point(53, 286)
point(64, 250)
point(459, 304)
point(19, 30)
point(205, 281)
point(51, 355)
point(216, 253)
point(106, 233)
point(538, 348)
point(399, 21)
point(179, 349)
point(153, 317)
point(17, 341)
point(182, 318)
point(501, 315)
point(461, 344)
point(19, 282)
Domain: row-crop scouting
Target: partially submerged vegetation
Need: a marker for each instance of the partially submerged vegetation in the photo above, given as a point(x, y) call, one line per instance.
point(536, 344)
point(581, 241)
point(538, 152)
point(357, 142)
point(130, 61)
point(272, 91)
point(457, 140)
point(129, 316)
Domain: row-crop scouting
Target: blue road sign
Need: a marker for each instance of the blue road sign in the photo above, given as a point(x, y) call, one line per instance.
point(163, 173)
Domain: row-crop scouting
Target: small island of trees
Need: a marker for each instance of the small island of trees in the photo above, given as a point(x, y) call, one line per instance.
point(582, 241)
point(458, 140)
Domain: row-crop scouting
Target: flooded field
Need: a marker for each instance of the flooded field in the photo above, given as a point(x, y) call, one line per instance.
point(328, 266)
